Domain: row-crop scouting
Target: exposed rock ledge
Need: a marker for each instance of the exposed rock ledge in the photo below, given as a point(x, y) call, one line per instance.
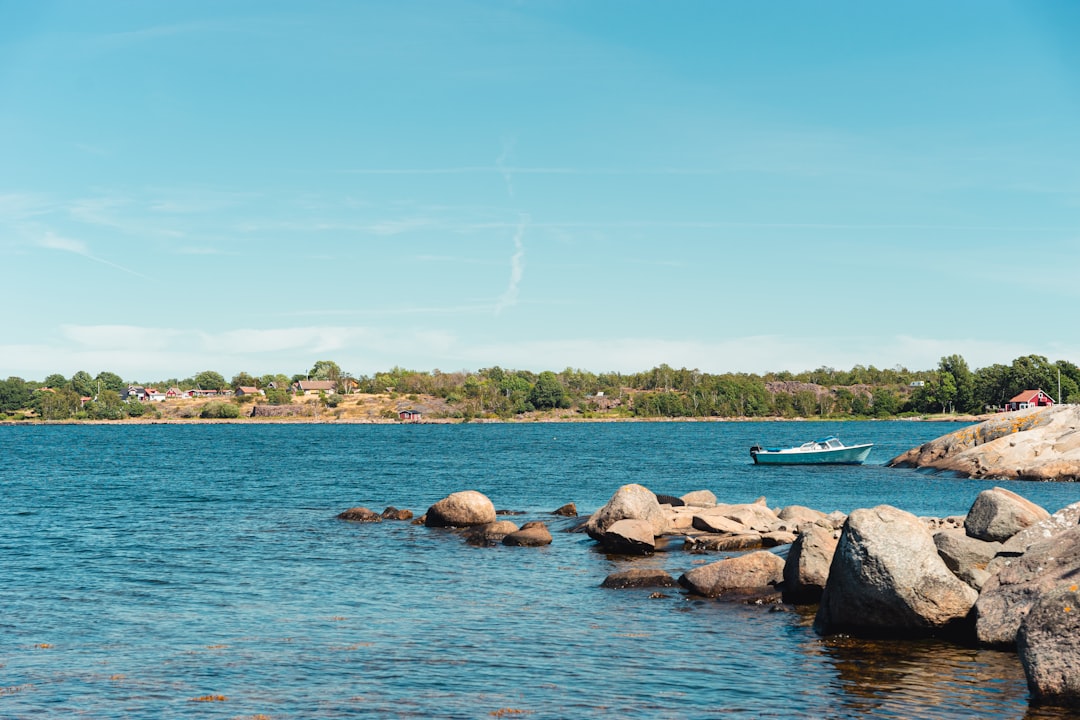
point(1035, 444)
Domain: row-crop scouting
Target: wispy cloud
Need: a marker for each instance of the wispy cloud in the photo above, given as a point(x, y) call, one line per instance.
point(517, 269)
point(52, 241)
point(500, 162)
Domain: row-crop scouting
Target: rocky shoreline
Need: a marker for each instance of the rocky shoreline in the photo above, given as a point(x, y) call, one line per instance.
point(1005, 575)
point(1033, 444)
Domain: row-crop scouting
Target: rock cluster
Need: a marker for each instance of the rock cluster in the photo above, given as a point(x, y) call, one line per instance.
point(1007, 574)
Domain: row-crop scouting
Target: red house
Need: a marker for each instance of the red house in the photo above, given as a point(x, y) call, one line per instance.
point(1029, 399)
point(410, 415)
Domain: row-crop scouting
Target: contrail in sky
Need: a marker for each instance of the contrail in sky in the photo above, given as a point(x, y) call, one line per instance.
point(517, 268)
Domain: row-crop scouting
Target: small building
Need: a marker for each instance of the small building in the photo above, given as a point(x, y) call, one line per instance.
point(410, 415)
point(918, 383)
point(1029, 399)
point(244, 390)
point(154, 395)
point(314, 387)
point(133, 392)
point(175, 393)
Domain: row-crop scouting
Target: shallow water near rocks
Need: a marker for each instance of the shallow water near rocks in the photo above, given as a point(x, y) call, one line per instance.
point(199, 571)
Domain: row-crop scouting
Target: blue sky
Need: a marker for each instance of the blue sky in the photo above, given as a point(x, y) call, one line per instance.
point(606, 185)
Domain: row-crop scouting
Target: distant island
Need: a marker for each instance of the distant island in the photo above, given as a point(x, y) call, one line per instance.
point(328, 394)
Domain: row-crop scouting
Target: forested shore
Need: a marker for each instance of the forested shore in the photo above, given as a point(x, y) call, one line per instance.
point(505, 394)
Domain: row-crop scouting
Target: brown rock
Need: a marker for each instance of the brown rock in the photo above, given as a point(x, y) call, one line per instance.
point(461, 509)
point(489, 533)
point(754, 574)
point(567, 510)
point(531, 534)
point(392, 513)
point(700, 498)
point(629, 537)
point(638, 579)
point(729, 542)
point(629, 502)
point(360, 514)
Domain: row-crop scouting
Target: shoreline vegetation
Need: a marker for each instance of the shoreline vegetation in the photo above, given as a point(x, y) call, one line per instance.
point(326, 394)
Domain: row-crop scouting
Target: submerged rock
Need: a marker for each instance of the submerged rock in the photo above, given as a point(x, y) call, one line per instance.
point(489, 533)
point(531, 534)
point(638, 579)
point(360, 514)
point(392, 513)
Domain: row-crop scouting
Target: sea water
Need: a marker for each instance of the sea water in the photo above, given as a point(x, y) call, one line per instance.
point(167, 571)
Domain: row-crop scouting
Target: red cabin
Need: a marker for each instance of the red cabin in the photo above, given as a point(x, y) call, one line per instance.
point(1029, 399)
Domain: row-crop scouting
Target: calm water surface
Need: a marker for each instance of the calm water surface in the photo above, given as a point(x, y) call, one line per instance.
point(199, 571)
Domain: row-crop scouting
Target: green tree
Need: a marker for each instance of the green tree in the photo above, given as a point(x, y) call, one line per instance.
point(278, 396)
point(15, 394)
point(83, 384)
point(219, 410)
point(210, 380)
point(242, 379)
point(962, 379)
point(58, 405)
point(885, 402)
point(548, 392)
point(106, 380)
point(325, 370)
point(56, 381)
point(106, 406)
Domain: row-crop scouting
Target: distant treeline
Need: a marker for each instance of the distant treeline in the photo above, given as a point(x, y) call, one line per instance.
point(662, 391)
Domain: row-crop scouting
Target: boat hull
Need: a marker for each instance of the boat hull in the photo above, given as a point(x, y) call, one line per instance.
point(853, 455)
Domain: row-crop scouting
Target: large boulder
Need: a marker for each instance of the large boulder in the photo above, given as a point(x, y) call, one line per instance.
point(887, 578)
point(634, 502)
point(756, 574)
point(998, 514)
point(461, 509)
point(1009, 594)
point(1033, 444)
point(807, 568)
point(1048, 643)
point(965, 556)
point(629, 537)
